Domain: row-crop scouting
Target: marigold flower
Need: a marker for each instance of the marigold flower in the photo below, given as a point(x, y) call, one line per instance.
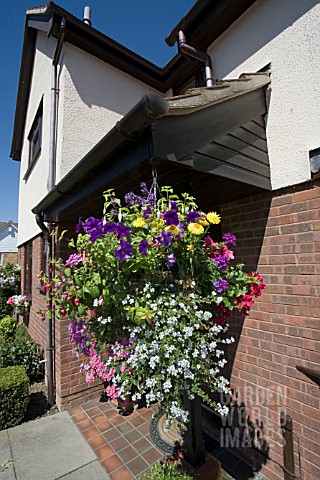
point(195, 228)
point(190, 248)
point(139, 222)
point(214, 218)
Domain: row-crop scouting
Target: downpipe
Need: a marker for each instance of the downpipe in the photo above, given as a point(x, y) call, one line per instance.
point(49, 329)
point(190, 51)
point(54, 105)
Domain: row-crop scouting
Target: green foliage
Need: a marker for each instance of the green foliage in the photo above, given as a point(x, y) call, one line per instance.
point(14, 396)
point(166, 471)
point(8, 326)
point(22, 350)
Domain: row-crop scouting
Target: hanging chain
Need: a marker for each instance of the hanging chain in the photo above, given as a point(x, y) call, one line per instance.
point(155, 186)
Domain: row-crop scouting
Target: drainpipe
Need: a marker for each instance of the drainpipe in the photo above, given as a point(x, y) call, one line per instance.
point(49, 335)
point(198, 55)
point(54, 104)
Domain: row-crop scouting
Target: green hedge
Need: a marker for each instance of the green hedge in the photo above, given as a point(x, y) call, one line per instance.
point(8, 326)
point(14, 396)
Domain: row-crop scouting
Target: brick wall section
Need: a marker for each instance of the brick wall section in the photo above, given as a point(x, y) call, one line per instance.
point(279, 236)
point(71, 387)
point(36, 327)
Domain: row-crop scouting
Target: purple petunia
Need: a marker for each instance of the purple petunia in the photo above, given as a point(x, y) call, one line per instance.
point(124, 252)
point(171, 217)
point(229, 239)
point(170, 260)
point(143, 246)
point(174, 206)
point(192, 217)
point(93, 226)
point(221, 286)
point(221, 261)
point(165, 239)
point(79, 226)
point(109, 227)
point(122, 230)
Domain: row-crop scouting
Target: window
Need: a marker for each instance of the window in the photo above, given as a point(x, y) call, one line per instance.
point(35, 139)
point(28, 269)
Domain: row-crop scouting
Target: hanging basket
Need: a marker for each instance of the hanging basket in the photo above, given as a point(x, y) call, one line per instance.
point(22, 310)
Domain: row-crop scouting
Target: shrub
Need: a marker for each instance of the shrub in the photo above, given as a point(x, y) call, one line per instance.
point(166, 471)
point(8, 326)
point(14, 396)
point(22, 350)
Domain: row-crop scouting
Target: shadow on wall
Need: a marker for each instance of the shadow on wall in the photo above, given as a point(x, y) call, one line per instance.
point(267, 20)
point(242, 432)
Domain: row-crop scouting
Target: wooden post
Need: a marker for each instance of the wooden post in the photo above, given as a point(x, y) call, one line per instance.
point(288, 451)
point(194, 452)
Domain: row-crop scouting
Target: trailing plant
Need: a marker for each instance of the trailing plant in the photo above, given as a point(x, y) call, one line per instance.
point(14, 396)
point(148, 293)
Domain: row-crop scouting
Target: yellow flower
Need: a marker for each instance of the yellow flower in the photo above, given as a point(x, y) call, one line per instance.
point(213, 217)
point(190, 248)
point(203, 222)
point(195, 228)
point(173, 229)
point(139, 222)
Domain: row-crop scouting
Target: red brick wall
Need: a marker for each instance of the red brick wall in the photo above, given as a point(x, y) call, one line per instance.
point(36, 327)
point(71, 387)
point(279, 236)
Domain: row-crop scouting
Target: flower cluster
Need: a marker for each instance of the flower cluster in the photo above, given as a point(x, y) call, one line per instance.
point(9, 276)
point(18, 301)
point(148, 293)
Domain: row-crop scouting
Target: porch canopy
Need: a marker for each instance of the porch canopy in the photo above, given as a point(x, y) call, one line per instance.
point(217, 131)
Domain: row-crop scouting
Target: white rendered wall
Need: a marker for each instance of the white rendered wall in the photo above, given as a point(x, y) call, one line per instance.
point(285, 33)
point(33, 189)
point(8, 240)
point(94, 96)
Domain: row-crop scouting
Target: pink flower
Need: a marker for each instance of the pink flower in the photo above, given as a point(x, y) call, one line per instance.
point(210, 243)
point(113, 391)
point(226, 252)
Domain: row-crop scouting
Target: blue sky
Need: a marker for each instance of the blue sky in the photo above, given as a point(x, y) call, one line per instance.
point(140, 25)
